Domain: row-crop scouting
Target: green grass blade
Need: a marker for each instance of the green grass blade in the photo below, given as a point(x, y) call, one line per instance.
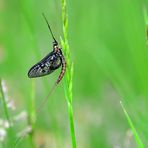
point(137, 138)
point(10, 132)
point(69, 73)
point(4, 102)
point(32, 113)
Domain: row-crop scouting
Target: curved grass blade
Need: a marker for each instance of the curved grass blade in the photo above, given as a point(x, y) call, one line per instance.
point(137, 138)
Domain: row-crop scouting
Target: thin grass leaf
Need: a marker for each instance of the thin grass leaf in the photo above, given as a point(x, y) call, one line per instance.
point(137, 138)
point(31, 119)
point(32, 112)
point(4, 103)
point(69, 73)
point(146, 22)
point(10, 132)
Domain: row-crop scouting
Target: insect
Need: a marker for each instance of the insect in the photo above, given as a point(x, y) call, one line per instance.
point(51, 62)
point(47, 65)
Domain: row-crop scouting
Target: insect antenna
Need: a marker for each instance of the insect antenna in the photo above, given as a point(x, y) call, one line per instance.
point(49, 28)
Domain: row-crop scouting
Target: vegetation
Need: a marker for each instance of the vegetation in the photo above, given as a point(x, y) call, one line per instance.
point(105, 45)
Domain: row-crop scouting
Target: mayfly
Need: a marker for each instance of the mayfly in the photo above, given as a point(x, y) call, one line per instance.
point(50, 63)
point(47, 65)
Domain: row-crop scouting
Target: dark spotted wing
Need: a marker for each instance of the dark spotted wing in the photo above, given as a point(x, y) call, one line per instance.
point(46, 66)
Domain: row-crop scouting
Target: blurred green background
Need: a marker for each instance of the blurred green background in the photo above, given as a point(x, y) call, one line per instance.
point(108, 46)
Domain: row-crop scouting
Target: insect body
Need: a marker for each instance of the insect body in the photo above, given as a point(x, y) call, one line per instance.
point(50, 62)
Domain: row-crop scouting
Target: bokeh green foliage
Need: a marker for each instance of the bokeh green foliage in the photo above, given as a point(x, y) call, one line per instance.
point(108, 46)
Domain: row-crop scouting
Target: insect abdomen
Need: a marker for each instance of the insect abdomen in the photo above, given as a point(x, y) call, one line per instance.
point(62, 70)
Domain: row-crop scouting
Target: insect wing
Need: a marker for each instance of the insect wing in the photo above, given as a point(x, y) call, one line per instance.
point(46, 66)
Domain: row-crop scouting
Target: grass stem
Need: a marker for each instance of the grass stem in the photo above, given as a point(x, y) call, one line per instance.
point(137, 138)
point(4, 102)
point(69, 73)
